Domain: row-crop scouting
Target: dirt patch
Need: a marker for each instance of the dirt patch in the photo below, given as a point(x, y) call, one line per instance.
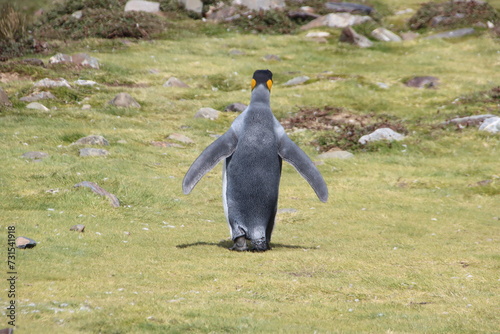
point(339, 128)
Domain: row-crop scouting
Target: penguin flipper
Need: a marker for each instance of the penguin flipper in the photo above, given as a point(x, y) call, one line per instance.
point(220, 149)
point(291, 153)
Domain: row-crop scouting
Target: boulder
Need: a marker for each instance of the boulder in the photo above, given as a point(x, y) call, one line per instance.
point(92, 140)
point(142, 6)
point(37, 96)
point(423, 82)
point(25, 242)
point(124, 100)
point(93, 152)
point(174, 82)
point(260, 4)
point(193, 5)
point(346, 7)
point(208, 113)
point(491, 125)
point(340, 20)
point(453, 34)
point(348, 35)
point(381, 134)
point(52, 83)
point(385, 35)
point(297, 81)
point(4, 99)
point(236, 107)
point(37, 106)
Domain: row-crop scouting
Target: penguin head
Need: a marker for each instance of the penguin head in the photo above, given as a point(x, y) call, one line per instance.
point(262, 77)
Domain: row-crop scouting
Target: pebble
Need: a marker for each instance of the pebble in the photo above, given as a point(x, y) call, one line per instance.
point(78, 228)
point(25, 242)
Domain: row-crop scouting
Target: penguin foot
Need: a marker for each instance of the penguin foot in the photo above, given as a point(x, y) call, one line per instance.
point(240, 244)
point(260, 245)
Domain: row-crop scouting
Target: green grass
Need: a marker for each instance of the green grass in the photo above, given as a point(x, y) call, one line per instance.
point(404, 244)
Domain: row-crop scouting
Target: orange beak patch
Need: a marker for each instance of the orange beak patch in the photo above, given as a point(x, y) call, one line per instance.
point(269, 84)
point(254, 83)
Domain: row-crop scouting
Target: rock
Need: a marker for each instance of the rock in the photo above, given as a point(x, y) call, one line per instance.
point(4, 99)
point(335, 154)
point(92, 140)
point(453, 34)
point(340, 20)
point(302, 15)
point(318, 34)
point(52, 83)
point(272, 58)
point(142, 6)
point(37, 106)
point(33, 62)
point(83, 59)
point(469, 120)
point(99, 191)
point(491, 125)
point(382, 85)
point(260, 4)
point(409, 36)
point(174, 82)
point(385, 35)
point(165, 144)
point(124, 100)
point(423, 82)
point(236, 52)
point(93, 152)
point(25, 242)
point(181, 138)
point(77, 15)
point(236, 107)
point(86, 107)
point(222, 13)
point(286, 210)
point(346, 7)
point(37, 96)
point(381, 134)
point(193, 5)
point(208, 113)
point(404, 11)
point(348, 35)
point(60, 58)
point(35, 155)
point(297, 81)
point(78, 228)
point(85, 83)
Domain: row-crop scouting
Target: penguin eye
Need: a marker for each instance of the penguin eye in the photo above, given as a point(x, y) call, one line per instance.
point(269, 84)
point(254, 83)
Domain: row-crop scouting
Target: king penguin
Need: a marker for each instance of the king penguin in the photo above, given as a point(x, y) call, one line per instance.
point(253, 149)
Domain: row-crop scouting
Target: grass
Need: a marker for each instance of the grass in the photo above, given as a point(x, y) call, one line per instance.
point(406, 243)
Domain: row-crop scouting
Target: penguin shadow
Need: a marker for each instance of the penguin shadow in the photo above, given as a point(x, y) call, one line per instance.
point(229, 243)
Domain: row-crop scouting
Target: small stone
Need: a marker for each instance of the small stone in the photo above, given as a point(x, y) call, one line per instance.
point(181, 138)
point(336, 20)
point(349, 35)
point(93, 152)
point(382, 85)
point(60, 58)
point(83, 59)
point(272, 58)
point(78, 228)
point(92, 140)
point(165, 144)
point(381, 134)
point(335, 154)
point(297, 81)
point(85, 83)
point(260, 4)
point(453, 34)
point(4, 99)
point(346, 7)
point(33, 62)
point(52, 83)
point(35, 155)
point(37, 106)
point(286, 210)
point(470, 120)
point(142, 6)
point(37, 96)
point(385, 35)
point(409, 36)
point(25, 242)
point(174, 82)
point(86, 107)
point(318, 34)
point(491, 125)
point(77, 15)
point(423, 82)
point(115, 202)
point(124, 100)
point(236, 107)
point(208, 113)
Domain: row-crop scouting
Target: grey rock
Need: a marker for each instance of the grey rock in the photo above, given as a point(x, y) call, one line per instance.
point(86, 107)
point(236, 107)
point(453, 34)
point(469, 120)
point(33, 62)
point(336, 155)
point(142, 6)
point(52, 83)
point(193, 5)
point(78, 228)
point(382, 85)
point(381, 134)
point(409, 35)
point(174, 82)
point(25, 242)
point(114, 201)
point(124, 100)
point(83, 59)
point(349, 35)
point(36, 96)
point(165, 144)
point(60, 58)
point(93, 152)
point(92, 140)
point(346, 7)
point(208, 113)
point(297, 81)
point(340, 20)
point(260, 4)
point(423, 82)
point(286, 210)
point(491, 125)
point(37, 106)
point(222, 13)
point(85, 83)
point(35, 155)
point(77, 15)
point(272, 58)
point(4, 99)
point(180, 138)
point(385, 35)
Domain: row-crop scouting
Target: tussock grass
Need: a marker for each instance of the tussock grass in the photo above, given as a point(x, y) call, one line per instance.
point(404, 245)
